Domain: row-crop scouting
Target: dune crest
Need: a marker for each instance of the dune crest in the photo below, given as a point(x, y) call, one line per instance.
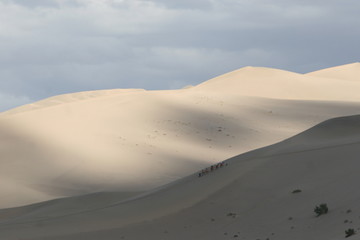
point(279, 84)
point(350, 72)
point(69, 98)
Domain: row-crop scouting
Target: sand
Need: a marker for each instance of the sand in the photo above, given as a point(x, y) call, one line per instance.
point(135, 140)
point(120, 146)
point(251, 197)
point(348, 72)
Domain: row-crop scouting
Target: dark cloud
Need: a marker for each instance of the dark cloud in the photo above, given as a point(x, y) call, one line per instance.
point(58, 46)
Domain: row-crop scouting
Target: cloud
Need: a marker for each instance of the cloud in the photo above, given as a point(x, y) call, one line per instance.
point(9, 101)
point(49, 47)
point(184, 4)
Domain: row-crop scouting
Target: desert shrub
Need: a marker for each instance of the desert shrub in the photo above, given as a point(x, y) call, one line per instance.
point(321, 209)
point(297, 191)
point(231, 214)
point(349, 232)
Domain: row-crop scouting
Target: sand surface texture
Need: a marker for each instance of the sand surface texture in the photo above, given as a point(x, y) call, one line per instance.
point(127, 161)
point(133, 140)
point(251, 197)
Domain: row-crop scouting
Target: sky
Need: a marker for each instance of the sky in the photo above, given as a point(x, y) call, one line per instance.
point(52, 47)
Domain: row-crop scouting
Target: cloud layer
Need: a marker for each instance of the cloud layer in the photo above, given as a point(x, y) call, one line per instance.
point(49, 47)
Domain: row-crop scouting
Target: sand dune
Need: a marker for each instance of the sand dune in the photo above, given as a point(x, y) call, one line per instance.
point(251, 198)
point(134, 140)
point(279, 84)
point(349, 72)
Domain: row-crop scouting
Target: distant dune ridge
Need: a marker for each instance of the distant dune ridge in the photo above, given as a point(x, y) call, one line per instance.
point(349, 72)
point(120, 146)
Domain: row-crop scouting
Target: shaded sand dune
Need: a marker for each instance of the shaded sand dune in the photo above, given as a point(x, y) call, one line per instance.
point(250, 198)
point(134, 140)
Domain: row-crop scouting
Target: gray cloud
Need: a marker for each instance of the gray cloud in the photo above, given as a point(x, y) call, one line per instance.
point(57, 46)
point(32, 3)
point(184, 4)
point(8, 101)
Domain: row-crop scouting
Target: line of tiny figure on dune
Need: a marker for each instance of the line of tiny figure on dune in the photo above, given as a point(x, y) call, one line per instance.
point(212, 168)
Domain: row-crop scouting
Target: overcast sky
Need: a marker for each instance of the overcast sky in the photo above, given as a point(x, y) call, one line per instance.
point(51, 47)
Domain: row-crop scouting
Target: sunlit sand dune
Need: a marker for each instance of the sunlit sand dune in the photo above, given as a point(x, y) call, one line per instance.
point(134, 140)
point(269, 193)
point(279, 84)
point(349, 72)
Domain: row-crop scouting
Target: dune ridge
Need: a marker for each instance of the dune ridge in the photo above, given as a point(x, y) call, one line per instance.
point(68, 98)
point(350, 72)
point(279, 84)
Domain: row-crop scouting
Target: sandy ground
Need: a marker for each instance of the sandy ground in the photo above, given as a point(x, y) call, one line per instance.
point(119, 148)
point(250, 198)
point(135, 140)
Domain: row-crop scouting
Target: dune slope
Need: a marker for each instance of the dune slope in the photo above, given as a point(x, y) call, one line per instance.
point(134, 140)
point(251, 198)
